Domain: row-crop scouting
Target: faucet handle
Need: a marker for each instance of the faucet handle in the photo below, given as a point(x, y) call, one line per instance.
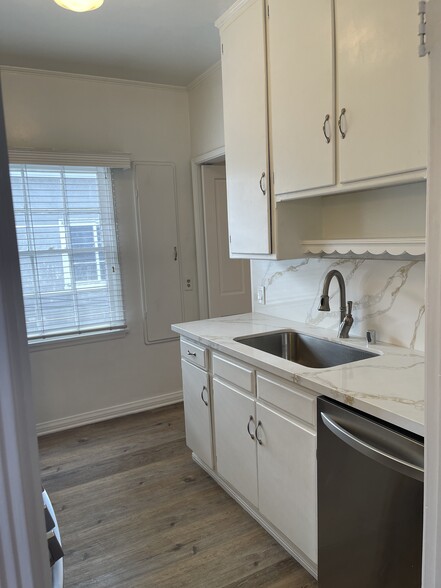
point(349, 308)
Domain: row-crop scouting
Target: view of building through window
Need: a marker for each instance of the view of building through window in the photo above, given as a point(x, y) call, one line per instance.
point(68, 250)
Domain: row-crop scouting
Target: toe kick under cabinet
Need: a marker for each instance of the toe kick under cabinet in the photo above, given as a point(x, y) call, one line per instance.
point(255, 434)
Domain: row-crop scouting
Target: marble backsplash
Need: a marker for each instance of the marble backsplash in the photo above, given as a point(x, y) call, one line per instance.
point(388, 295)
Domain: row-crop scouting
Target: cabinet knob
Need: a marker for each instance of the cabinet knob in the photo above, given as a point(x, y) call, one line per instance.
point(340, 118)
point(262, 177)
point(325, 127)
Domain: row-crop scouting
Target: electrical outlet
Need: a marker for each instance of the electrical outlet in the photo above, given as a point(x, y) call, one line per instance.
point(188, 284)
point(261, 295)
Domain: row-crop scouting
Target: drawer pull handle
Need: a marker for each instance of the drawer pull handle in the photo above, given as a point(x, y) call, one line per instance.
point(202, 395)
point(248, 428)
point(259, 439)
point(190, 353)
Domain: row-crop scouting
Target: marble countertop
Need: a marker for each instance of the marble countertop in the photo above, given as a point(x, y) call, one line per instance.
point(389, 386)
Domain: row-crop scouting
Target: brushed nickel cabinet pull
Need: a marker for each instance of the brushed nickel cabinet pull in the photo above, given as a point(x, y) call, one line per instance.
point(190, 353)
point(202, 395)
point(259, 439)
point(325, 124)
point(248, 428)
point(262, 177)
point(340, 118)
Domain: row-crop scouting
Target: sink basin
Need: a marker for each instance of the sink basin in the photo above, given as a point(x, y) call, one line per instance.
point(306, 350)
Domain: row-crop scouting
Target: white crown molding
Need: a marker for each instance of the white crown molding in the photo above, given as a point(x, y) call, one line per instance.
point(232, 13)
point(105, 414)
point(90, 78)
point(206, 74)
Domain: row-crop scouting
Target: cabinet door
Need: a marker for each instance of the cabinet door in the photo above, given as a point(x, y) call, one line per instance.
point(383, 85)
point(287, 479)
point(235, 449)
point(197, 410)
point(301, 84)
point(246, 131)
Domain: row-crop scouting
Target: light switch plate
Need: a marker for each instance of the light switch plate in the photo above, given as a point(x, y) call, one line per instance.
point(261, 295)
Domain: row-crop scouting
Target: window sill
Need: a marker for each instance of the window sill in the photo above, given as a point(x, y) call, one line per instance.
point(68, 341)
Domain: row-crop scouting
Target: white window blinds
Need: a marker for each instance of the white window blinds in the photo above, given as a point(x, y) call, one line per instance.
point(67, 243)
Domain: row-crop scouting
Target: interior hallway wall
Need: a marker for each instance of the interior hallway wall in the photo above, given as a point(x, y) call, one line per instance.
point(74, 113)
point(206, 112)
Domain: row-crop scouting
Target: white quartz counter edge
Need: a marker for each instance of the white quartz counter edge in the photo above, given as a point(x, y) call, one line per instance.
point(389, 386)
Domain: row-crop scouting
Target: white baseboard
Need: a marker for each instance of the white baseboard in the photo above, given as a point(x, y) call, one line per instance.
point(104, 414)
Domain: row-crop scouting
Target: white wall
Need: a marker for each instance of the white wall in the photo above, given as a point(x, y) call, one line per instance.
point(206, 112)
point(82, 114)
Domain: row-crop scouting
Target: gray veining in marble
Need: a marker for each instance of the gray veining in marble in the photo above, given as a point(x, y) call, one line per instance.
point(389, 386)
point(388, 295)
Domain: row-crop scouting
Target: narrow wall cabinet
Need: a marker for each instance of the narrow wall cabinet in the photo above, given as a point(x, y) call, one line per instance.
point(246, 131)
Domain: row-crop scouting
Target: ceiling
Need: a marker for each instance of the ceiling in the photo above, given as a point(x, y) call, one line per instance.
point(162, 41)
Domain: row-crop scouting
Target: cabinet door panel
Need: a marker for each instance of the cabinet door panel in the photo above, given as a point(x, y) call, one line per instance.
point(197, 412)
point(301, 82)
point(287, 479)
point(246, 133)
point(235, 450)
point(382, 84)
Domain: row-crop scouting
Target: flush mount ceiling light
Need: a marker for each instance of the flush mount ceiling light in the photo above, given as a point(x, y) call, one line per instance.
point(80, 5)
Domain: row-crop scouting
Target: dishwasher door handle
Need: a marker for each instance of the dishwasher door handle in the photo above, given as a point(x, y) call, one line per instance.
point(404, 467)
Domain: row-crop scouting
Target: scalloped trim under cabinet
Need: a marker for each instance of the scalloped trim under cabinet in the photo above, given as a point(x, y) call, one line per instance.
point(403, 248)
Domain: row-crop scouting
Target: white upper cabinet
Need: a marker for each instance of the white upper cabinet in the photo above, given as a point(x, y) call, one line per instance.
point(364, 54)
point(301, 90)
point(382, 85)
point(246, 130)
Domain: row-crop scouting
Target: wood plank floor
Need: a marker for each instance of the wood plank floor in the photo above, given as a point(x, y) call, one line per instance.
point(136, 512)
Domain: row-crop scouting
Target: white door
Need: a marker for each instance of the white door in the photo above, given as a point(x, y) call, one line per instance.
point(382, 85)
point(228, 280)
point(246, 131)
point(287, 478)
point(197, 409)
point(301, 74)
point(235, 446)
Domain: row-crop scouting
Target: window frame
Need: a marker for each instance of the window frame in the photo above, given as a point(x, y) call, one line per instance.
point(103, 212)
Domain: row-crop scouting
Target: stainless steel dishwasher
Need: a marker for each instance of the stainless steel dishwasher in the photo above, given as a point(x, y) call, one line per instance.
point(370, 501)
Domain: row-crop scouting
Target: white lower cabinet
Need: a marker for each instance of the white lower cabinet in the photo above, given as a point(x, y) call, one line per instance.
point(287, 478)
point(264, 446)
point(197, 410)
point(234, 417)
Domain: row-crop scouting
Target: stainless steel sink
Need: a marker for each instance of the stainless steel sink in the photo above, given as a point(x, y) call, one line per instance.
point(306, 350)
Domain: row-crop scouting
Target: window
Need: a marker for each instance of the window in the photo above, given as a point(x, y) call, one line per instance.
point(68, 250)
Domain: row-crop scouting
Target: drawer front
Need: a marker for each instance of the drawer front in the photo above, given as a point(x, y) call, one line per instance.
point(194, 353)
point(287, 397)
point(233, 372)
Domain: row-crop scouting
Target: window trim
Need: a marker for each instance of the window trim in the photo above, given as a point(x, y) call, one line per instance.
point(98, 332)
point(76, 339)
